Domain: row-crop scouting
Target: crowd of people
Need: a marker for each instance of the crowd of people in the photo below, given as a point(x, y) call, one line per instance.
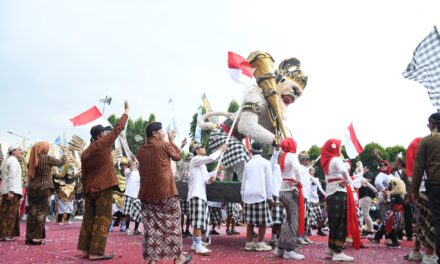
point(282, 193)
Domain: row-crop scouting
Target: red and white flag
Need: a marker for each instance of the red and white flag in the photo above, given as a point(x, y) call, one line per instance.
point(90, 118)
point(239, 69)
point(352, 145)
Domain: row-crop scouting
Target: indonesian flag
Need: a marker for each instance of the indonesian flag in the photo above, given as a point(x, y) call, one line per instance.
point(239, 68)
point(90, 118)
point(352, 145)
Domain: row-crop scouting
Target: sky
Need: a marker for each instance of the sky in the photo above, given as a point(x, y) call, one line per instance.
point(58, 58)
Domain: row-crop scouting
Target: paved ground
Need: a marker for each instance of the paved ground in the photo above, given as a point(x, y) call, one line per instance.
point(61, 248)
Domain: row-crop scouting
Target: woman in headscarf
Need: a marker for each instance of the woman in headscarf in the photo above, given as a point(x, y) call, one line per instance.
point(39, 190)
point(291, 198)
point(341, 209)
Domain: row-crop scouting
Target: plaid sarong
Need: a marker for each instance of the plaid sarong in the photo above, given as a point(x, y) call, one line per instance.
point(184, 207)
point(232, 209)
point(236, 151)
point(215, 216)
point(278, 211)
point(257, 214)
point(314, 214)
point(337, 220)
point(198, 209)
point(132, 207)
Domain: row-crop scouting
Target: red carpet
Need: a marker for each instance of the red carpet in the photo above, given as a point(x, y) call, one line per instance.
point(61, 248)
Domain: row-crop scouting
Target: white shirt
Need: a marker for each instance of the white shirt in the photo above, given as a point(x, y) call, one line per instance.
point(11, 177)
point(305, 181)
point(382, 180)
point(397, 173)
point(133, 182)
point(336, 170)
point(257, 180)
point(199, 175)
point(291, 172)
point(315, 186)
point(276, 173)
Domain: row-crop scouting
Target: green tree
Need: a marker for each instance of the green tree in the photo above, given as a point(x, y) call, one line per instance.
point(314, 152)
point(135, 130)
point(368, 158)
point(233, 106)
point(394, 151)
point(151, 119)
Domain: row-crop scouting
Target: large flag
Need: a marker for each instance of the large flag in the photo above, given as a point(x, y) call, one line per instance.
point(239, 69)
point(198, 132)
point(425, 66)
point(90, 118)
point(352, 145)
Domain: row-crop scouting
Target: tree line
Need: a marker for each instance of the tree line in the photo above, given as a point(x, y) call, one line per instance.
point(136, 134)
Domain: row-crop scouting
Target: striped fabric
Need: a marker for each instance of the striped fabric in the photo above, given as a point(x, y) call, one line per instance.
point(43, 177)
point(157, 180)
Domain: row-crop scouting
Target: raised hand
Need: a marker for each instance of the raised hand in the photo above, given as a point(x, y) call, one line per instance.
point(172, 135)
point(126, 107)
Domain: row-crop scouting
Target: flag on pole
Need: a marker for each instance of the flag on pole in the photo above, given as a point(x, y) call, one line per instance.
point(90, 118)
point(173, 115)
point(425, 66)
point(58, 141)
point(93, 117)
point(352, 145)
point(208, 108)
point(198, 132)
point(239, 69)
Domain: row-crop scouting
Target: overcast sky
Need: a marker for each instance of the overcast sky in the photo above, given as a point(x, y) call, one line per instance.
point(58, 58)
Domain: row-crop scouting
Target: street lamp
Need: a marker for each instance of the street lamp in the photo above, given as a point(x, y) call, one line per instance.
point(20, 136)
point(106, 100)
point(23, 137)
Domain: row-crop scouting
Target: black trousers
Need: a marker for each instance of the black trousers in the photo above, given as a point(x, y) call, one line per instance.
point(433, 192)
point(392, 235)
point(407, 215)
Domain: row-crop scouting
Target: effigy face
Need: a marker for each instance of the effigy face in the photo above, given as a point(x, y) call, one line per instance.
point(265, 105)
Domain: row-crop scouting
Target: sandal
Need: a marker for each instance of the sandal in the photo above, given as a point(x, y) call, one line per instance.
point(102, 257)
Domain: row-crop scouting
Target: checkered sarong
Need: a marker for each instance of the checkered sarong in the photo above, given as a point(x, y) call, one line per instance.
point(360, 216)
point(215, 216)
point(198, 209)
point(314, 214)
point(393, 216)
point(132, 207)
point(184, 207)
point(232, 209)
point(236, 151)
point(257, 214)
point(278, 211)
